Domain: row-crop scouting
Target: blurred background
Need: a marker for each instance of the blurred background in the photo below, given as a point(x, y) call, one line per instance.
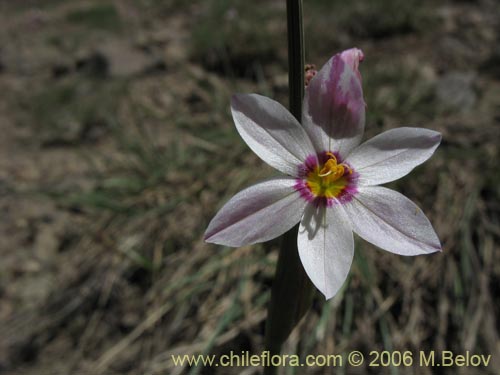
point(117, 148)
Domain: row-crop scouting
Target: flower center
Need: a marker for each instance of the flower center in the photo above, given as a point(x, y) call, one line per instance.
point(330, 179)
point(325, 180)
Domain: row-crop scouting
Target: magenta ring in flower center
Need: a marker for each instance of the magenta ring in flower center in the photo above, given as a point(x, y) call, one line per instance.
point(326, 180)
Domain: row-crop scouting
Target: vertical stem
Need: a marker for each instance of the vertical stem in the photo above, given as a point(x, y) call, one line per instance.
point(292, 291)
point(295, 56)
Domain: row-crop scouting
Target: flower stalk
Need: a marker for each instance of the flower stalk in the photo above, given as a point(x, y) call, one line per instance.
point(295, 56)
point(292, 290)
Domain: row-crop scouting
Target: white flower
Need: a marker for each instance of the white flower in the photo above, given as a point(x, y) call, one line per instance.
point(332, 183)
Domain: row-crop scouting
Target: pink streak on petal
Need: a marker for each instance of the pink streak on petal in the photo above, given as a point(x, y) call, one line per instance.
point(334, 101)
point(353, 57)
point(303, 189)
point(347, 100)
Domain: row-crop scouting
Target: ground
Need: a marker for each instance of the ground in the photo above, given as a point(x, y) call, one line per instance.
point(117, 148)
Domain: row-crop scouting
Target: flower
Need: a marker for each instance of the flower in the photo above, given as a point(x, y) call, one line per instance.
point(332, 183)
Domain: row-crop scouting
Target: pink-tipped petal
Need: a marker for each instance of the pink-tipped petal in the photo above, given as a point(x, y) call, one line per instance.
point(259, 213)
point(353, 57)
point(271, 132)
point(334, 108)
point(391, 221)
point(393, 154)
point(326, 247)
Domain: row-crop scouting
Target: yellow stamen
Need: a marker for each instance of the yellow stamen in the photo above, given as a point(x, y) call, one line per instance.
point(328, 181)
point(331, 168)
point(331, 156)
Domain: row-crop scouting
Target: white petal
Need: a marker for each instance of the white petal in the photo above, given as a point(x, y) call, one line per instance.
point(257, 214)
point(326, 247)
point(393, 154)
point(271, 132)
point(391, 221)
point(334, 108)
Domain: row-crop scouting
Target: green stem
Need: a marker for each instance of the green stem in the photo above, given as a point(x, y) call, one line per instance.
point(295, 56)
point(292, 291)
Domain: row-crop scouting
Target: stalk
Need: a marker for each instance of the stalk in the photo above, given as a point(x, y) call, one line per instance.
point(292, 291)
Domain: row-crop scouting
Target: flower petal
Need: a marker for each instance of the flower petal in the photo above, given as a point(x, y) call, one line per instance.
point(257, 214)
point(392, 154)
point(326, 247)
point(391, 221)
point(271, 132)
point(334, 108)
